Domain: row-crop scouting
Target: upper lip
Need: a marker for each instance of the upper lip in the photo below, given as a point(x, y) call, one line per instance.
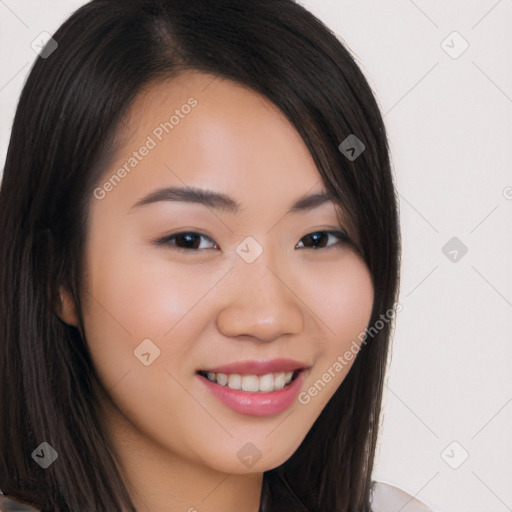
point(258, 367)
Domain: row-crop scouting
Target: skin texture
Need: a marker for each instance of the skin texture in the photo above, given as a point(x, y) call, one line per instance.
point(177, 443)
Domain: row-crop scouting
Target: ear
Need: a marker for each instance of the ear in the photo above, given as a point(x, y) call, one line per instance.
point(66, 309)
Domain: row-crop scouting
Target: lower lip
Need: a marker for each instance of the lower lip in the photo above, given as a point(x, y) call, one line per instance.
point(256, 403)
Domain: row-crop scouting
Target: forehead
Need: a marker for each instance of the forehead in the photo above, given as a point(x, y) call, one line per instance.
point(201, 131)
point(200, 121)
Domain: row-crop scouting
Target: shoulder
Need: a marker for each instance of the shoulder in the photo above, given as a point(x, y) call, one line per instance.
point(8, 504)
point(388, 498)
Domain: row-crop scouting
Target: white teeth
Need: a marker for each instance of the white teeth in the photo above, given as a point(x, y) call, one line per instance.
point(222, 378)
point(263, 383)
point(266, 383)
point(279, 381)
point(235, 381)
point(250, 383)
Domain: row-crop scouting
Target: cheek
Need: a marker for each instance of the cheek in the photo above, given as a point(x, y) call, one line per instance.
point(134, 295)
point(343, 306)
point(133, 298)
point(343, 300)
point(143, 296)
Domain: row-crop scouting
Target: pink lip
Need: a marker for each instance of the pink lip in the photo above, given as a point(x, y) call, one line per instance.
point(256, 403)
point(258, 367)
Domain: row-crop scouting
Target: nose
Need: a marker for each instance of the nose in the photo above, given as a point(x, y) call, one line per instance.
point(260, 303)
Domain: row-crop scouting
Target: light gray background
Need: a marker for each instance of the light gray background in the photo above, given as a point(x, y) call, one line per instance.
point(450, 128)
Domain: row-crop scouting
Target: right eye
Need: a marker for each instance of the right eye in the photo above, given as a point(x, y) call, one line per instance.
point(186, 241)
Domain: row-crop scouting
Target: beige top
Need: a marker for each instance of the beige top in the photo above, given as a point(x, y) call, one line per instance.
point(386, 498)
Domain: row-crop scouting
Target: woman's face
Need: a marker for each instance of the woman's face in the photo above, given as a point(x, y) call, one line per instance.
point(265, 285)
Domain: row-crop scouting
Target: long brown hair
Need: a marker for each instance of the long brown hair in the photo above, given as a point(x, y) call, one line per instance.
point(63, 133)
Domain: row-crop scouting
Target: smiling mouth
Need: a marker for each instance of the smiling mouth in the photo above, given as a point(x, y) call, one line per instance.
point(264, 383)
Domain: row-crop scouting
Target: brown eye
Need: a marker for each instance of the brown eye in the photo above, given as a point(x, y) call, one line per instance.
point(319, 239)
point(193, 241)
point(188, 240)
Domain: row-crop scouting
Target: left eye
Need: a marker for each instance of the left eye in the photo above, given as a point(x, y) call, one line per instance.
point(317, 238)
point(191, 240)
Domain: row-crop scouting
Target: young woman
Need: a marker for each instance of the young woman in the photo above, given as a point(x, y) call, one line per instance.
point(199, 265)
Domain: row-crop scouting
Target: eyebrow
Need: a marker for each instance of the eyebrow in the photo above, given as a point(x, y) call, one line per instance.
point(220, 201)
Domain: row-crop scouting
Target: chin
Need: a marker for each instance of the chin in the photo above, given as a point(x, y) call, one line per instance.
point(252, 457)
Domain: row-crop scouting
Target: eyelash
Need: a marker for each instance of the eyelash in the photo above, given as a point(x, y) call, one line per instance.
point(341, 235)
